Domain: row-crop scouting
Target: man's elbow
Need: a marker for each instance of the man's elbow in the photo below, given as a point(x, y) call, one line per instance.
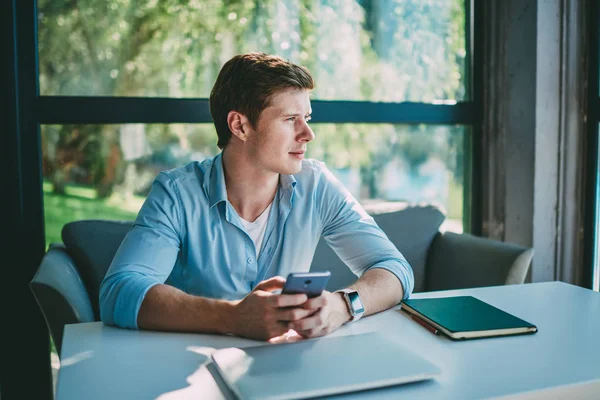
point(113, 299)
point(121, 296)
point(392, 286)
point(400, 290)
point(107, 302)
point(403, 279)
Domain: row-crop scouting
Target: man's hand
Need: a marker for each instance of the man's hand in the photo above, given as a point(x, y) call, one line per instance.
point(327, 313)
point(263, 315)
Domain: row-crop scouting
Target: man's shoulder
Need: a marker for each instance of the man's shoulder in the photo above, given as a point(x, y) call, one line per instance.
point(311, 169)
point(191, 168)
point(190, 174)
point(314, 171)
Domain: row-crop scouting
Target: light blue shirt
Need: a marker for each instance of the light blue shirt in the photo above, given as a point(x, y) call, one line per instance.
point(188, 235)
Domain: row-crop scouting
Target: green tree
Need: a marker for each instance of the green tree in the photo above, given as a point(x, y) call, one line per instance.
point(384, 50)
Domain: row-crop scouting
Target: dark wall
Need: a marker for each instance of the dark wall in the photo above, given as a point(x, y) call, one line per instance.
point(24, 349)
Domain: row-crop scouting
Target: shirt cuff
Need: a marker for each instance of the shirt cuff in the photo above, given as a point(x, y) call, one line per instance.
point(124, 298)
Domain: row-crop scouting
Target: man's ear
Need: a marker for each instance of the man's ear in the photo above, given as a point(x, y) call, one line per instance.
point(238, 125)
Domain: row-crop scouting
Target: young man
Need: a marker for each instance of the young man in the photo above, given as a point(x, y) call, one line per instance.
point(214, 239)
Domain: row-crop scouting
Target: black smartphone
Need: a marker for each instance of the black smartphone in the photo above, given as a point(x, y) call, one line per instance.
point(310, 283)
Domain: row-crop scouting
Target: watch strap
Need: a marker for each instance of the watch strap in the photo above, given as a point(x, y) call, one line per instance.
point(345, 294)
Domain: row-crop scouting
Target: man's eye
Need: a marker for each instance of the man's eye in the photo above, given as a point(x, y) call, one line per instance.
point(308, 119)
point(291, 119)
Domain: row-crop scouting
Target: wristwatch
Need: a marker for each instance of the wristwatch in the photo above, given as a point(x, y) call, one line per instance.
point(355, 305)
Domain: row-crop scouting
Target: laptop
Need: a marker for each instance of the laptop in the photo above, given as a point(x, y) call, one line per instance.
point(320, 367)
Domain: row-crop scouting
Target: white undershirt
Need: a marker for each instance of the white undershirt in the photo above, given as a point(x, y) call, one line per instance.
point(256, 230)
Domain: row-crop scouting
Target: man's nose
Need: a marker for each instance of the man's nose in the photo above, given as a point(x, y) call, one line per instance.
point(307, 134)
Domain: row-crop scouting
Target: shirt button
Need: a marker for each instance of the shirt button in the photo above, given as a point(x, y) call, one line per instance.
point(249, 261)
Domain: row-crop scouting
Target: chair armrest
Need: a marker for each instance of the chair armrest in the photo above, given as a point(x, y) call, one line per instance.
point(457, 261)
point(60, 293)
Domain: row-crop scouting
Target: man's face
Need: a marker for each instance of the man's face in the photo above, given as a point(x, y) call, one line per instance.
point(282, 133)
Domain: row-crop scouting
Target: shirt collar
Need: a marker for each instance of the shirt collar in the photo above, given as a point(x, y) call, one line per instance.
point(287, 182)
point(217, 191)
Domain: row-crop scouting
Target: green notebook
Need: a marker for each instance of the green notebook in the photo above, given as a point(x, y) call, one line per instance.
point(465, 317)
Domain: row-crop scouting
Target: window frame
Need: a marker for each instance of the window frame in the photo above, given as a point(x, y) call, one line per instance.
point(591, 229)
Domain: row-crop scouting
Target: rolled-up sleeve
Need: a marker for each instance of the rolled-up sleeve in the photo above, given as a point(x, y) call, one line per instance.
point(146, 256)
point(355, 236)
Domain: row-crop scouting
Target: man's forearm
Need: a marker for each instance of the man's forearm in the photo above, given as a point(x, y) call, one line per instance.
point(379, 290)
point(167, 308)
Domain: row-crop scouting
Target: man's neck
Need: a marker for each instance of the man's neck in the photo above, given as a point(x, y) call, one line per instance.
point(249, 190)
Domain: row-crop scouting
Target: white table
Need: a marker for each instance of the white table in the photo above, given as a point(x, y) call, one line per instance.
point(561, 361)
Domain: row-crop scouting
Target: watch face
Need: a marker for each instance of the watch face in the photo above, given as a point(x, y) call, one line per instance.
point(357, 305)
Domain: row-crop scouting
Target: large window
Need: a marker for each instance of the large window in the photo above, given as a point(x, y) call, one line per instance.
point(369, 58)
point(122, 93)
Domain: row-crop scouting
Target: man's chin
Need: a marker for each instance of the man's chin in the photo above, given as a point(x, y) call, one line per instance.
point(291, 168)
point(295, 169)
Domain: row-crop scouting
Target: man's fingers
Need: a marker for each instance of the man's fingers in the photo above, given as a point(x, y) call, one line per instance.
point(288, 300)
point(279, 328)
point(315, 321)
point(312, 333)
point(316, 302)
point(288, 337)
point(271, 284)
point(293, 314)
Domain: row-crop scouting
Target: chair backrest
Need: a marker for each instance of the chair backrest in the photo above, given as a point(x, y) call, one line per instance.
point(67, 283)
point(60, 293)
point(411, 230)
point(465, 261)
point(93, 244)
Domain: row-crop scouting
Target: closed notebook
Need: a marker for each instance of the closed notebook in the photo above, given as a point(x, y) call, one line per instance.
point(466, 317)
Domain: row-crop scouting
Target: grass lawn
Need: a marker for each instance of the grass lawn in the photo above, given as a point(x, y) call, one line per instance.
point(80, 202)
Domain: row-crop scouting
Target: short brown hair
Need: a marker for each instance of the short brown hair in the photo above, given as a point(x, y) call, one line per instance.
point(246, 84)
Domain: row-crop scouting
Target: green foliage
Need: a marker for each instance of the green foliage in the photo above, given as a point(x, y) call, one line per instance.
point(376, 50)
point(78, 203)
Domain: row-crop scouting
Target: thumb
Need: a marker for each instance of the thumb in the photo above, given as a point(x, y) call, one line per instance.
point(273, 283)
